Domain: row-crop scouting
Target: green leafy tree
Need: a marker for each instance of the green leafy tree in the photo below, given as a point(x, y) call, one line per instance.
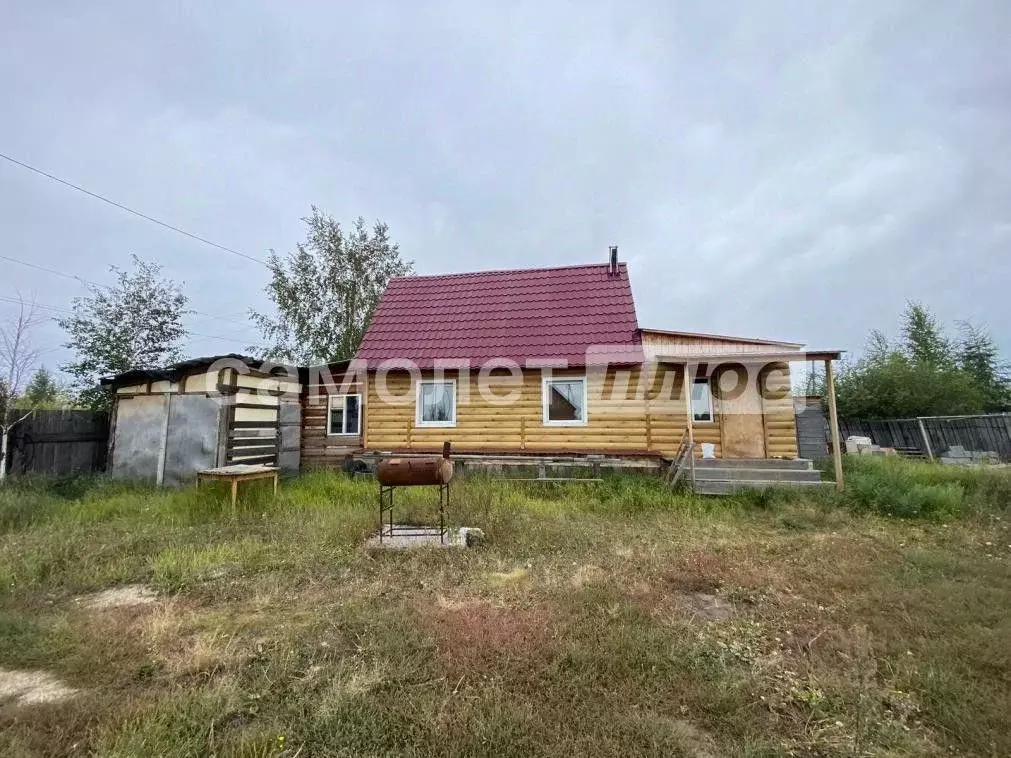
point(979, 356)
point(43, 391)
point(924, 340)
point(924, 373)
point(327, 290)
point(136, 323)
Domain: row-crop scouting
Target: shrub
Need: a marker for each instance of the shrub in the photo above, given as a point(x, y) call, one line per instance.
point(896, 487)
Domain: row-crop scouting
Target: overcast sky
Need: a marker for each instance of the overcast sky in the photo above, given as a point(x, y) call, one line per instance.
point(794, 170)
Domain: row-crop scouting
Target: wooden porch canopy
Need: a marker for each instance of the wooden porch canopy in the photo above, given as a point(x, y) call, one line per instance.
point(763, 357)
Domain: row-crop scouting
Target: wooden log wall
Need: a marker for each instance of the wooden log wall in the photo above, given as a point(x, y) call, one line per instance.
point(622, 417)
point(320, 450)
point(780, 417)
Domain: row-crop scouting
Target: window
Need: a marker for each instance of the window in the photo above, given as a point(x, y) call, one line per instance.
point(345, 416)
point(702, 401)
point(436, 403)
point(564, 401)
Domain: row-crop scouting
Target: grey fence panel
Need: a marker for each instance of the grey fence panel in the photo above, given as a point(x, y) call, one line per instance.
point(974, 433)
point(289, 453)
point(985, 433)
point(812, 428)
point(59, 443)
point(140, 433)
point(192, 441)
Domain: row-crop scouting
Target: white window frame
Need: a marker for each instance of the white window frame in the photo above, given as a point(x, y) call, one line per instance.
point(418, 422)
point(546, 383)
point(344, 400)
point(712, 405)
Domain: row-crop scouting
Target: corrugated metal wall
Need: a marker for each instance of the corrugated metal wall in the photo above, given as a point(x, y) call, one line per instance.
point(165, 438)
point(812, 428)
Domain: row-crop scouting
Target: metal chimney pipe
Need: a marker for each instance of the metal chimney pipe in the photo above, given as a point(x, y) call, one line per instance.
point(613, 269)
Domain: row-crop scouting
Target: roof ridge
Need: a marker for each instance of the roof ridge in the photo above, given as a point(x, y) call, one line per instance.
point(413, 277)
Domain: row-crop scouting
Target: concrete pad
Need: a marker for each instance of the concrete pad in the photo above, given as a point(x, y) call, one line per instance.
point(408, 537)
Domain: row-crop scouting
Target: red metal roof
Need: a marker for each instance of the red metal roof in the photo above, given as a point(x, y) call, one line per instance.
point(528, 316)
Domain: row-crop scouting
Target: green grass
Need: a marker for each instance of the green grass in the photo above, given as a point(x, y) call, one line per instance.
point(868, 622)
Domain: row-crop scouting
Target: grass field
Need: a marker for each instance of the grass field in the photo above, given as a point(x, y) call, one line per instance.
point(612, 619)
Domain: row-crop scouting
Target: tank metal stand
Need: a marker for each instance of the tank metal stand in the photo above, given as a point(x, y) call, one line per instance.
point(388, 529)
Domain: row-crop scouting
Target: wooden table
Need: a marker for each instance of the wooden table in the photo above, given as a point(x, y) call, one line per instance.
point(239, 472)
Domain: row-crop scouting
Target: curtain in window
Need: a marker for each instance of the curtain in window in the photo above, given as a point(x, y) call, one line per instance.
point(437, 402)
point(701, 401)
point(336, 418)
point(351, 413)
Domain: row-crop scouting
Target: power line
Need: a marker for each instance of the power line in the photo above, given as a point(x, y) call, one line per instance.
point(69, 312)
point(48, 270)
point(137, 213)
point(81, 280)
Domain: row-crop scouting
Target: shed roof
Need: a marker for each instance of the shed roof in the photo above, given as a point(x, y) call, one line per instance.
point(174, 371)
point(530, 316)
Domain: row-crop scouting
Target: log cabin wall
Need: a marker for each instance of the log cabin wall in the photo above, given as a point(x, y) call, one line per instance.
point(623, 417)
point(780, 419)
point(318, 448)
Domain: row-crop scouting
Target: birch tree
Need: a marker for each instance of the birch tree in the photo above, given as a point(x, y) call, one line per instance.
point(17, 359)
point(135, 323)
point(325, 292)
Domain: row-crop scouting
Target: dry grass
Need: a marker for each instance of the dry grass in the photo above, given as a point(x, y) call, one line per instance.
point(594, 621)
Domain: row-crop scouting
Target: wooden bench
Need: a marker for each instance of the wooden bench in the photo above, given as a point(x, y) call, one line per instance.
point(239, 472)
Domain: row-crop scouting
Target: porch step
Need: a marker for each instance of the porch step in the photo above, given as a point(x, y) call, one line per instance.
point(800, 464)
point(723, 476)
point(730, 486)
point(741, 474)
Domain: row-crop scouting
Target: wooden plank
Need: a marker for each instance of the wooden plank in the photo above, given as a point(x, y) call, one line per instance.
point(238, 442)
point(271, 448)
point(251, 461)
point(833, 420)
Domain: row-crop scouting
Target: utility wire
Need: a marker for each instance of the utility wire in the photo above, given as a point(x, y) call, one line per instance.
point(137, 213)
point(82, 280)
point(69, 312)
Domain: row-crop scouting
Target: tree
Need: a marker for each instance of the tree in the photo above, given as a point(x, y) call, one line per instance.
point(923, 338)
point(17, 357)
point(42, 391)
point(979, 357)
point(326, 291)
point(924, 373)
point(136, 323)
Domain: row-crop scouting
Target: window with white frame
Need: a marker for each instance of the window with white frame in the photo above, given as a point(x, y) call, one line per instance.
point(345, 415)
point(435, 404)
point(702, 401)
point(564, 400)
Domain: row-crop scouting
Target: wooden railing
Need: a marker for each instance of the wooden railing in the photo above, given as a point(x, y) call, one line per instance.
point(684, 462)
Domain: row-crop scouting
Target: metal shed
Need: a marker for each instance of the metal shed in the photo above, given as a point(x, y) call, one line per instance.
point(168, 423)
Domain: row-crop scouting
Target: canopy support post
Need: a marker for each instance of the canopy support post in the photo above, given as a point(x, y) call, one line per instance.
point(833, 422)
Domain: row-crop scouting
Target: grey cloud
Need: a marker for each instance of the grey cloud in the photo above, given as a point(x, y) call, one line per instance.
point(784, 169)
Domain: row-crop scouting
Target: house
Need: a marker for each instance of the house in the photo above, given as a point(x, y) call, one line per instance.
point(531, 363)
point(547, 361)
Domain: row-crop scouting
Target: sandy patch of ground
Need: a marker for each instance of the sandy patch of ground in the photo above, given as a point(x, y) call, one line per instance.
point(32, 687)
point(500, 578)
point(119, 597)
point(707, 607)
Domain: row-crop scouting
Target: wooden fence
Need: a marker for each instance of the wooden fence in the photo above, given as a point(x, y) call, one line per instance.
point(59, 443)
point(989, 433)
